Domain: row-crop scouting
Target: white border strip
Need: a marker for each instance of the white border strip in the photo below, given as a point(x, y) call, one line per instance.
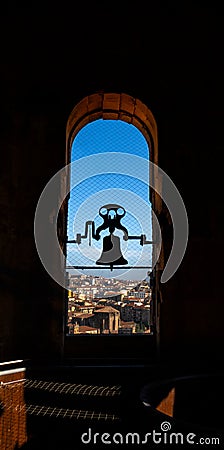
point(11, 371)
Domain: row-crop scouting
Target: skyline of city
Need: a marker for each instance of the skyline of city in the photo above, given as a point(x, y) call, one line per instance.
point(98, 305)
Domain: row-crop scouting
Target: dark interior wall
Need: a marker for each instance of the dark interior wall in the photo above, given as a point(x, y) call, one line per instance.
point(172, 61)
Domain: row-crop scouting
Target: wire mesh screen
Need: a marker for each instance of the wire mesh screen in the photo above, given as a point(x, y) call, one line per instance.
point(109, 225)
point(112, 183)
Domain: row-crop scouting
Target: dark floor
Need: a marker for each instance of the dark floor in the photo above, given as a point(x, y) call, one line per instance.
point(197, 405)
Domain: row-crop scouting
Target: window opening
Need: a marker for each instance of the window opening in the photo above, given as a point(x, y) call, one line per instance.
point(109, 232)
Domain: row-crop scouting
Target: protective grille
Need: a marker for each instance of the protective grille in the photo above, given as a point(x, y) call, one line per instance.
point(105, 170)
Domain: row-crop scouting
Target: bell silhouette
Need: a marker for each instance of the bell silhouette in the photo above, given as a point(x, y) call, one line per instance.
point(111, 254)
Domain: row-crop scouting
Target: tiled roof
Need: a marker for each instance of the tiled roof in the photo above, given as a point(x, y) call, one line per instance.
point(107, 309)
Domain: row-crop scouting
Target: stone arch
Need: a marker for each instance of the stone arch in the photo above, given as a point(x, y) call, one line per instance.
point(113, 106)
point(118, 106)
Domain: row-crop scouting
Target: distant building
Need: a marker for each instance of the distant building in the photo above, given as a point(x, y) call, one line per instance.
point(127, 328)
point(113, 296)
point(87, 330)
point(134, 313)
point(73, 328)
point(82, 319)
point(139, 294)
point(107, 318)
point(85, 309)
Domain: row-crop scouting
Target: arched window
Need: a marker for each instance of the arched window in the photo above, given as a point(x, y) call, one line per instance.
point(110, 140)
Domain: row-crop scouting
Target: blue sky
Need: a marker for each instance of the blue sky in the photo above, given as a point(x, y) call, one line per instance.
point(86, 198)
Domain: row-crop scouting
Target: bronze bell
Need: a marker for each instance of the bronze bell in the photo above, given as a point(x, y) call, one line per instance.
point(111, 254)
